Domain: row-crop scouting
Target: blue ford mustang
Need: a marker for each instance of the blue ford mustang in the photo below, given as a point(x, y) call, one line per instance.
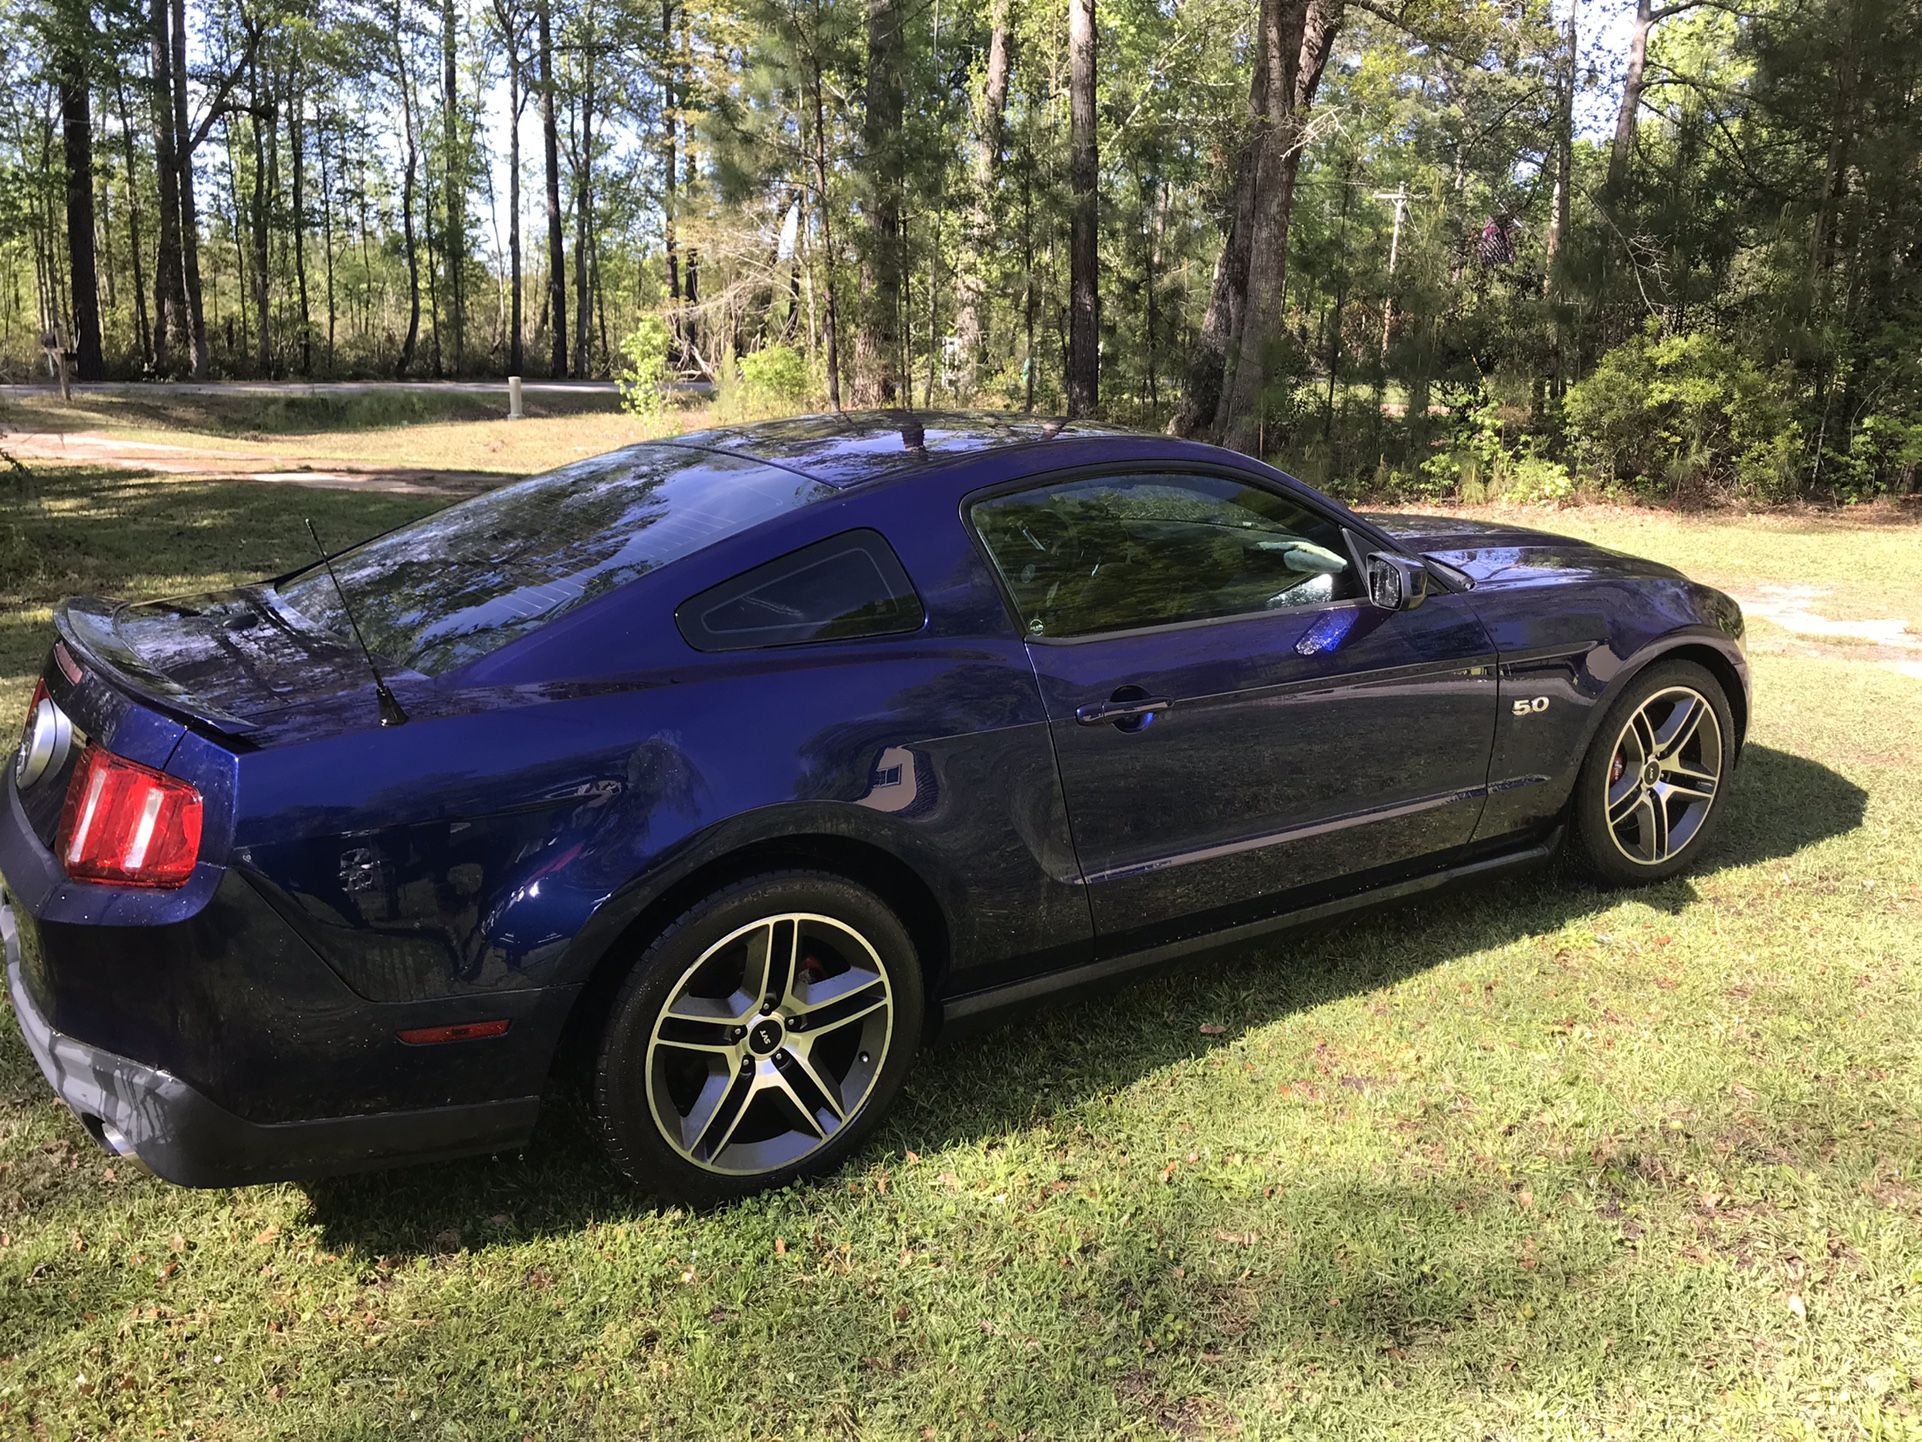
point(734, 766)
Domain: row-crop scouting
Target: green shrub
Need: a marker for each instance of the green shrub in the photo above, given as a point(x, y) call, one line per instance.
point(643, 376)
point(1686, 416)
point(776, 373)
point(1537, 481)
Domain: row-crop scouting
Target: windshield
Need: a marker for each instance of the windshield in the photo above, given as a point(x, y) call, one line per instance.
point(453, 586)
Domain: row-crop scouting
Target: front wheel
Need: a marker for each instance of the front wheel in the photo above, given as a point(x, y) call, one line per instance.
point(758, 1038)
point(1650, 790)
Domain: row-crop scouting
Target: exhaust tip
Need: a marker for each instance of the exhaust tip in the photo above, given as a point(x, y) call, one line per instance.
point(115, 1142)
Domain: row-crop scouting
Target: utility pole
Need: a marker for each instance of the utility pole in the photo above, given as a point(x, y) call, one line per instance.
point(1400, 196)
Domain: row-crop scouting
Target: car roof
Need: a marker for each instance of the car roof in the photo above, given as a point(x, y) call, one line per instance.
point(854, 448)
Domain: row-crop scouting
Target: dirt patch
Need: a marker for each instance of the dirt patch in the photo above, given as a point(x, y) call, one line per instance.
point(1881, 641)
point(199, 463)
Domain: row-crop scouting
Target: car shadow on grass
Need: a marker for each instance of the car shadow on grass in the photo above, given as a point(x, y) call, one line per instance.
point(1022, 1072)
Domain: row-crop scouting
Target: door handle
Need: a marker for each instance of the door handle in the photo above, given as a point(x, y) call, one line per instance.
point(1129, 709)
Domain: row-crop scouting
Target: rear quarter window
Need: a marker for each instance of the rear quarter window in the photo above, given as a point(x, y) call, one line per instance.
point(848, 586)
point(448, 589)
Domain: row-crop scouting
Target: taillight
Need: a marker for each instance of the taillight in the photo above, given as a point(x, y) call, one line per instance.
point(128, 824)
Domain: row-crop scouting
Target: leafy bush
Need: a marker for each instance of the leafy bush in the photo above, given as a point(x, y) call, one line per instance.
point(643, 377)
point(1537, 481)
point(1686, 416)
point(776, 373)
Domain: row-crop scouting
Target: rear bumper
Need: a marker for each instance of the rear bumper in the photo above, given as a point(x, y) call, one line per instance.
point(179, 1134)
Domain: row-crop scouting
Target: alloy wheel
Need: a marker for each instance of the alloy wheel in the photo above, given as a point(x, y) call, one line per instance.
point(769, 1043)
point(1663, 775)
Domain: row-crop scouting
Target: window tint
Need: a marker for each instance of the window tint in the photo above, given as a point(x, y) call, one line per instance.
point(846, 586)
point(455, 585)
point(1114, 553)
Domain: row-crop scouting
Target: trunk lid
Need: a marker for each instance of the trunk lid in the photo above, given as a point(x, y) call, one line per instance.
point(227, 662)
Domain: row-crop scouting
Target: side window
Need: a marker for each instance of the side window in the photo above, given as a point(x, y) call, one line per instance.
point(1114, 553)
point(847, 586)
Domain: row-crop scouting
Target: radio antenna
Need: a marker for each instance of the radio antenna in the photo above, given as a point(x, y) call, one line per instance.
point(391, 713)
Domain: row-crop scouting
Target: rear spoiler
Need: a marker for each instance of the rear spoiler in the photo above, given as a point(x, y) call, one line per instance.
point(85, 626)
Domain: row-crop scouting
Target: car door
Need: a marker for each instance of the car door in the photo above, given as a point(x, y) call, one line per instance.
point(1236, 725)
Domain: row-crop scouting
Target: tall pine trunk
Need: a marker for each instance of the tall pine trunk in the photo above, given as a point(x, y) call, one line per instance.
point(170, 337)
point(1084, 255)
point(510, 28)
point(454, 183)
point(143, 332)
point(410, 159)
point(556, 244)
point(184, 146)
point(670, 180)
point(1296, 39)
point(972, 311)
point(263, 291)
point(877, 341)
point(297, 146)
point(76, 117)
point(825, 210)
point(584, 227)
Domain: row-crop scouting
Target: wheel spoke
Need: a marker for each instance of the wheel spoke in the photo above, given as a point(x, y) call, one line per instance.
point(1677, 772)
point(770, 962)
point(697, 1033)
point(710, 1125)
point(783, 1085)
point(1684, 720)
point(1643, 730)
point(805, 1075)
point(847, 1008)
point(1652, 818)
point(1623, 798)
point(1688, 791)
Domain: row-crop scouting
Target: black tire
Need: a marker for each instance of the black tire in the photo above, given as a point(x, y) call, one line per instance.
point(1619, 852)
point(639, 1076)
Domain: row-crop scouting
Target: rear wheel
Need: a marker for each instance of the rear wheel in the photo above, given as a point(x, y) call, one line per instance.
point(760, 1037)
point(1650, 790)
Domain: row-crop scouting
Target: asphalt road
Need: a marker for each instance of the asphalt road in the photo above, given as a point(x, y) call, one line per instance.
point(530, 387)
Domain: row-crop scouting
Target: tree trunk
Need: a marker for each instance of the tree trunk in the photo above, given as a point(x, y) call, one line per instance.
point(556, 244)
point(1221, 322)
point(76, 116)
point(691, 262)
point(1633, 87)
point(1296, 37)
point(297, 146)
point(326, 225)
point(584, 226)
point(826, 211)
point(670, 179)
point(1084, 259)
point(189, 211)
point(454, 182)
point(409, 161)
point(1294, 43)
point(877, 341)
point(143, 333)
point(510, 29)
point(971, 305)
point(170, 337)
point(1558, 223)
point(263, 293)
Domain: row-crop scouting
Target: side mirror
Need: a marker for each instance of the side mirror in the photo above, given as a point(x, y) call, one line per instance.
point(1396, 583)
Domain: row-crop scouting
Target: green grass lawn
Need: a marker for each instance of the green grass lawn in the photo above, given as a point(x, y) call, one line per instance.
point(1529, 1161)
